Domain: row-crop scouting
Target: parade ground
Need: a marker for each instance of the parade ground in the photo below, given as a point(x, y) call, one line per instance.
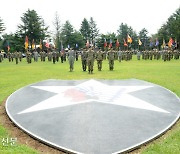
point(113, 127)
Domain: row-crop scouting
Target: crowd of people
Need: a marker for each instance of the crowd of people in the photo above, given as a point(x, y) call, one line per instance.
point(88, 56)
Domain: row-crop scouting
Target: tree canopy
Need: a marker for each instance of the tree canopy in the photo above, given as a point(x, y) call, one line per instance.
point(65, 34)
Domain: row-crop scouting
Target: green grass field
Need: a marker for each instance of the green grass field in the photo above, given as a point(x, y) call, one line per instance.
point(166, 74)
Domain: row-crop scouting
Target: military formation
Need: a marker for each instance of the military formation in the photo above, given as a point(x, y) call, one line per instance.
point(89, 56)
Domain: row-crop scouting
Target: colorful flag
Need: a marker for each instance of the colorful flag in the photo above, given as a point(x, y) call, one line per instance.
point(105, 43)
point(110, 43)
point(139, 42)
point(8, 46)
point(125, 44)
point(47, 44)
point(164, 44)
point(129, 39)
point(33, 44)
point(26, 43)
point(151, 44)
point(40, 44)
point(157, 42)
point(87, 43)
point(170, 42)
point(117, 43)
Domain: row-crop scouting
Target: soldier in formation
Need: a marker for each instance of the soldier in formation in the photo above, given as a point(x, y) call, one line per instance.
point(29, 57)
point(71, 58)
point(1, 57)
point(99, 58)
point(16, 56)
point(84, 59)
point(111, 57)
point(49, 55)
point(54, 56)
point(90, 60)
point(119, 55)
point(35, 55)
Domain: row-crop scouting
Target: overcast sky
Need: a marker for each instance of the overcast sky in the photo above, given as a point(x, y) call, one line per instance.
point(108, 14)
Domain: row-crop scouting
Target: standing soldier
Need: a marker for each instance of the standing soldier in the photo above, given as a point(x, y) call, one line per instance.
point(90, 60)
point(99, 58)
point(35, 56)
point(84, 59)
point(12, 57)
point(9, 56)
point(20, 56)
point(1, 57)
point(77, 55)
point(54, 56)
point(62, 55)
point(16, 56)
point(111, 58)
point(29, 57)
point(41, 55)
point(138, 55)
point(71, 58)
point(119, 55)
point(57, 56)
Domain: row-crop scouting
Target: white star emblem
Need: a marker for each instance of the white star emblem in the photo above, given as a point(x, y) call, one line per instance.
point(95, 91)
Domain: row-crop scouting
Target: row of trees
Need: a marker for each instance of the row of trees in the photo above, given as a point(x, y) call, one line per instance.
point(65, 35)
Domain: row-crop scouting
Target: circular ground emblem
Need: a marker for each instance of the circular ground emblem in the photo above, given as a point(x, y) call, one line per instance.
point(94, 116)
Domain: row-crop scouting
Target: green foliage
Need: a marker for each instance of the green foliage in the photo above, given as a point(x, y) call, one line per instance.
point(170, 28)
point(70, 36)
point(2, 27)
point(89, 30)
point(143, 36)
point(93, 30)
point(32, 26)
point(123, 31)
point(85, 29)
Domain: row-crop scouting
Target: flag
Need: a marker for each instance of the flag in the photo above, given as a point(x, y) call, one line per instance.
point(105, 43)
point(157, 42)
point(129, 39)
point(125, 44)
point(8, 47)
point(87, 43)
point(170, 42)
point(40, 44)
point(33, 44)
point(76, 45)
point(164, 44)
point(110, 43)
point(151, 43)
point(117, 43)
point(47, 44)
point(68, 46)
point(139, 42)
point(26, 43)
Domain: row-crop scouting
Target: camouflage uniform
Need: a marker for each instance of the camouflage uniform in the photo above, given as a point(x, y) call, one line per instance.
point(84, 60)
point(111, 57)
point(99, 58)
point(71, 58)
point(16, 56)
point(54, 56)
point(90, 60)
